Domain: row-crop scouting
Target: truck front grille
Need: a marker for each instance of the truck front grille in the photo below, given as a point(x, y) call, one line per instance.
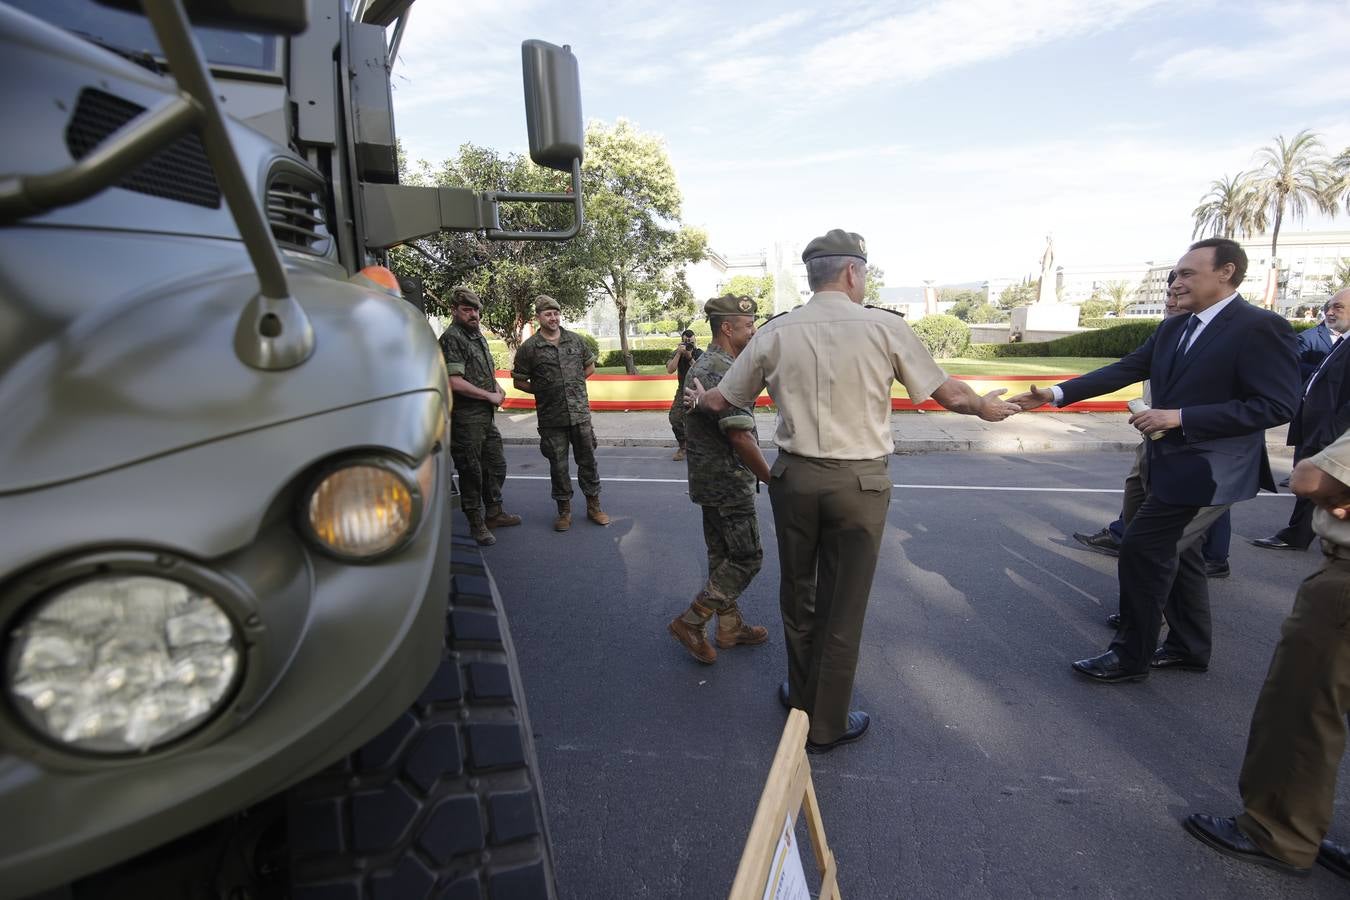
point(297, 214)
point(178, 172)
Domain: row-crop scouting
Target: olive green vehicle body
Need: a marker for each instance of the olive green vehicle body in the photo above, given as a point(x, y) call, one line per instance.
point(140, 435)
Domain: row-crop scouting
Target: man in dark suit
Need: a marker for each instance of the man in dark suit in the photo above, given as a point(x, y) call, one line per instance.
point(1322, 417)
point(1315, 343)
point(1220, 376)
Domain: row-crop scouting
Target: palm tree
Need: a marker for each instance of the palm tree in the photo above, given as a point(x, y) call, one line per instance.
point(1341, 189)
point(1229, 209)
point(1119, 294)
point(1295, 175)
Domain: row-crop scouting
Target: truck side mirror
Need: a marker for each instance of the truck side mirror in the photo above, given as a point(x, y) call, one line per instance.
point(552, 104)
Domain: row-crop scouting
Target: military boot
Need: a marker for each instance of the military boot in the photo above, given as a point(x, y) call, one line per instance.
point(594, 512)
point(478, 529)
point(732, 630)
point(679, 454)
point(564, 520)
point(687, 628)
point(498, 519)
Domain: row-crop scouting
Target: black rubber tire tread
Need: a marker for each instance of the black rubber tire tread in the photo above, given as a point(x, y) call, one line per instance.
point(446, 802)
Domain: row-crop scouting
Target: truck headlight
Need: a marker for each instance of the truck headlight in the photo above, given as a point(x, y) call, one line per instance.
point(366, 508)
point(122, 663)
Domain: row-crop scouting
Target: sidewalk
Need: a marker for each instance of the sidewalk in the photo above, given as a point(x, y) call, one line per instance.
point(915, 432)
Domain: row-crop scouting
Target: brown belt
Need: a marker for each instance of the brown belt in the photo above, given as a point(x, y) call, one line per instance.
point(1335, 551)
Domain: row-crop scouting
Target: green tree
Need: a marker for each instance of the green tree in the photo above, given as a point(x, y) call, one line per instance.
point(757, 287)
point(1341, 187)
point(507, 275)
point(1015, 295)
point(876, 280)
point(1339, 279)
point(632, 247)
point(1295, 175)
point(1093, 307)
point(1119, 295)
point(1230, 209)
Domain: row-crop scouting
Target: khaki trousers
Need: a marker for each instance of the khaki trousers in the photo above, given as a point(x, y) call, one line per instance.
point(829, 516)
point(1297, 737)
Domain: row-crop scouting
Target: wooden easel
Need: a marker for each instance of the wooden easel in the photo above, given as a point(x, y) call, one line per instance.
point(787, 790)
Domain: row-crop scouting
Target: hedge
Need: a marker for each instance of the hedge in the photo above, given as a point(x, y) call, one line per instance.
point(945, 336)
point(1113, 321)
point(647, 356)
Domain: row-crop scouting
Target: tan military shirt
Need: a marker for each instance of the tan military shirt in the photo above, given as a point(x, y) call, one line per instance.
point(1335, 461)
point(829, 366)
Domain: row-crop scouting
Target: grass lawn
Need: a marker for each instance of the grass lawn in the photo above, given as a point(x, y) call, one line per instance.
point(1031, 365)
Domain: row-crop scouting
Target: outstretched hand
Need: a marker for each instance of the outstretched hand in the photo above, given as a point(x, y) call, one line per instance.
point(995, 409)
point(1033, 399)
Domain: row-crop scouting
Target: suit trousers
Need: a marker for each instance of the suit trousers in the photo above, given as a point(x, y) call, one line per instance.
point(1162, 575)
point(1299, 531)
point(1298, 730)
point(1218, 537)
point(829, 516)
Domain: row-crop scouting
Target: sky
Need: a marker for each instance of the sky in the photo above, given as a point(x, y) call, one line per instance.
point(954, 135)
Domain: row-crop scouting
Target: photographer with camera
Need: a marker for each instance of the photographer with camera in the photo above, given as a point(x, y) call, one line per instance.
point(685, 354)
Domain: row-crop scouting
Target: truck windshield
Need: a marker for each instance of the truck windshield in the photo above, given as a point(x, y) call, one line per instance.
point(131, 33)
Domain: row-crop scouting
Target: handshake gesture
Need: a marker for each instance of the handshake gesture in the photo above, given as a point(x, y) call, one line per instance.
point(1033, 399)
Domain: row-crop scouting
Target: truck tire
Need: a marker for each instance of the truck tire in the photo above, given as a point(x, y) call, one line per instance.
point(446, 802)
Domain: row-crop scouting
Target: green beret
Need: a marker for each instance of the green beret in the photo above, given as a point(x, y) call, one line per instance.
point(463, 296)
point(836, 243)
point(729, 305)
point(543, 302)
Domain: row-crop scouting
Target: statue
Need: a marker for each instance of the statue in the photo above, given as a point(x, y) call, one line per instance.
point(1047, 282)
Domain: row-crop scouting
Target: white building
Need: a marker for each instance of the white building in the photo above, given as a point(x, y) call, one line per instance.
point(709, 277)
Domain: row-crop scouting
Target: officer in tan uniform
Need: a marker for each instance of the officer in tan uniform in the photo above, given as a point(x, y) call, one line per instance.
point(829, 366)
point(1297, 736)
point(725, 468)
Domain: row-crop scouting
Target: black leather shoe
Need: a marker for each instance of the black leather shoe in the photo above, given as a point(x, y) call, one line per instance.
point(857, 724)
point(1223, 835)
point(1101, 542)
point(1274, 543)
point(1166, 659)
point(1217, 569)
point(1113, 620)
point(1107, 669)
point(1335, 857)
point(783, 695)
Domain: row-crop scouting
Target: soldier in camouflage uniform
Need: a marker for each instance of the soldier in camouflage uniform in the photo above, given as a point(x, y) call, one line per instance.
point(554, 364)
point(475, 443)
point(722, 453)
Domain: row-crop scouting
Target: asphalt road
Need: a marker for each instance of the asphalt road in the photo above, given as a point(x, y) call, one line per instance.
point(989, 770)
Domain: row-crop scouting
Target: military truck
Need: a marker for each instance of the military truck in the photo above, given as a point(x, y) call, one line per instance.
point(243, 654)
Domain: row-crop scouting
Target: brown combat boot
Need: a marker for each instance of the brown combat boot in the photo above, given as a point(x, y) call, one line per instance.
point(498, 519)
point(732, 630)
point(564, 520)
point(478, 529)
point(594, 512)
point(687, 628)
point(679, 454)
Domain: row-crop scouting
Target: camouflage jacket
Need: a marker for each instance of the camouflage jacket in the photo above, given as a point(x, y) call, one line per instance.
point(468, 355)
point(557, 373)
point(717, 477)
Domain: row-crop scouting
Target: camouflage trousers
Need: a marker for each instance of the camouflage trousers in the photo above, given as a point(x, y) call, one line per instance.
point(677, 415)
point(735, 555)
point(553, 443)
point(476, 448)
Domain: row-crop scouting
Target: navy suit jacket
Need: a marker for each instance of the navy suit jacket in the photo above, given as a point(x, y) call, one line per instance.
point(1324, 413)
point(1239, 378)
point(1313, 346)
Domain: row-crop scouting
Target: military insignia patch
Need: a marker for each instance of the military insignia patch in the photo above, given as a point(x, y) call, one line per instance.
point(862, 245)
point(747, 305)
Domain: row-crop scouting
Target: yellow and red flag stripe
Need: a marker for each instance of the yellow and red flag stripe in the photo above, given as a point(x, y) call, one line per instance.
point(616, 393)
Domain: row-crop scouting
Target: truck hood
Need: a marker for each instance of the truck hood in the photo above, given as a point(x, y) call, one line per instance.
point(117, 347)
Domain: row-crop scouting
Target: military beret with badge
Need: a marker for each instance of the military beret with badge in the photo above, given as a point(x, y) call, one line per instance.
point(836, 242)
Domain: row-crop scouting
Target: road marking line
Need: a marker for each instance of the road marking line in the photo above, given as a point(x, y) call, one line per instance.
point(903, 487)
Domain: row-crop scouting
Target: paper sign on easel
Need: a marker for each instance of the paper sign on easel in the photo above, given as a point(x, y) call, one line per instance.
point(771, 864)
